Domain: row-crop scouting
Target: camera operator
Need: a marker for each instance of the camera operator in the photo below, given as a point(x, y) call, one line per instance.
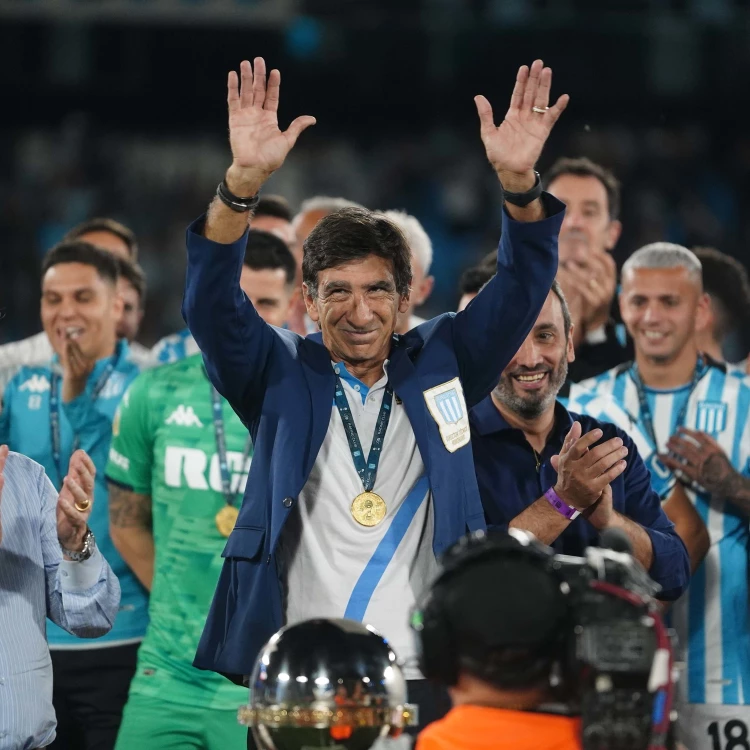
point(584, 661)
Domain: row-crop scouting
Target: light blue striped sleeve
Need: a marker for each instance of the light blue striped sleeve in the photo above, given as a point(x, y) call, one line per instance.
point(83, 598)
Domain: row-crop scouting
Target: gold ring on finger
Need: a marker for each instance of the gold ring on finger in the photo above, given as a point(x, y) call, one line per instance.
point(83, 507)
point(539, 110)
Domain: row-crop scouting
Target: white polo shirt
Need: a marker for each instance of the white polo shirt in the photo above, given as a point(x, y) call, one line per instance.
point(333, 566)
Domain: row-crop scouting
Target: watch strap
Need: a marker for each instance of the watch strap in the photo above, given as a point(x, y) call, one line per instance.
point(523, 199)
point(560, 505)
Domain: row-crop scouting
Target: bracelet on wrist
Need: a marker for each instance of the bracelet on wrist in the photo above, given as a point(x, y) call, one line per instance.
point(523, 199)
point(240, 205)
point(560, 505)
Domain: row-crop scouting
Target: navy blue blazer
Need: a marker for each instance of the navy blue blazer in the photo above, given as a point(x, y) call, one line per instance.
point(509, 482)
point(281, 385)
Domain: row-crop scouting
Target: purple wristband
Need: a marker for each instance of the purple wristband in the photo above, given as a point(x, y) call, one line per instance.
point(560, 505)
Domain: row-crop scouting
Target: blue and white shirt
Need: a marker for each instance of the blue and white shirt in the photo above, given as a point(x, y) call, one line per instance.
point(712, 619)
point(35, 582)
point(25, 427)
point(334, 567)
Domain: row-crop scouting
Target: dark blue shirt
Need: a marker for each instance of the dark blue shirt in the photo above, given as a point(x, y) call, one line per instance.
point(509, 482)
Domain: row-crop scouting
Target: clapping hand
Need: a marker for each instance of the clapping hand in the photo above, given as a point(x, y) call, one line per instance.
point(514, 146)
point(76, 368)
point(75, 502)
point(584, 472)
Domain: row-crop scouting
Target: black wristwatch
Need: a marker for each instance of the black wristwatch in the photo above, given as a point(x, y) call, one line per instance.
point(240, 205)
point(523, 199)
point(89, 545)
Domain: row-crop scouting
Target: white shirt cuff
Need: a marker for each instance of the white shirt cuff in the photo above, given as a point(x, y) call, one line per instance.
point(81, 576)
point(597, 336)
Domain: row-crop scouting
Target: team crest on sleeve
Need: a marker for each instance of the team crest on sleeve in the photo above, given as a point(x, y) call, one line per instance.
point(448, 408)
point(711, 417)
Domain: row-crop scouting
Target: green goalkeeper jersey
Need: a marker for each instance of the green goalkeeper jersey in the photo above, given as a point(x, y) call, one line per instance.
point(164, 445)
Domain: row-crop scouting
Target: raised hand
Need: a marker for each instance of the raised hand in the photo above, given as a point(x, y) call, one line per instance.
point(259, 147)
point(75, 501)
point(516, 144)
point(3, 457)
point(582, 471)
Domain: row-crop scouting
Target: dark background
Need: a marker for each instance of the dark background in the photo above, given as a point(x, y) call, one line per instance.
point(117, 107)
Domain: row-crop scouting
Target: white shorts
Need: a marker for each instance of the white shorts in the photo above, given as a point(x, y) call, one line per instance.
point(703, 726)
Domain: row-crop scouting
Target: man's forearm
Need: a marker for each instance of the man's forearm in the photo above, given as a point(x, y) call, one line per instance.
point(737, 490)
point(542, 520)
point(643, 550)
point(136, 547)
point(130, 529)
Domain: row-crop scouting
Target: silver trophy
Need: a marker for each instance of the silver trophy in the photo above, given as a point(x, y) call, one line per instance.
point(326, 683)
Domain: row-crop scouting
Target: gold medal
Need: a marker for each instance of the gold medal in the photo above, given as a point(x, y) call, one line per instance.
point(368, 509)
point(226, 518)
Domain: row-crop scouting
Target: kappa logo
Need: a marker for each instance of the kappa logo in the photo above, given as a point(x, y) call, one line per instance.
point(184, 416)
point(35, 384)
point(448, 408)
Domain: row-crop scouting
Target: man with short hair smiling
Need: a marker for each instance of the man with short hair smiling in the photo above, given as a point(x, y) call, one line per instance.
point(106, 234)
point(540, 467)
point(48, 412)
point(362, 472)
point(696, 418)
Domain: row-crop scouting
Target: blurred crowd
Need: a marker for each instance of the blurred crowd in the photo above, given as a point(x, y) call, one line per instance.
point(682, 183)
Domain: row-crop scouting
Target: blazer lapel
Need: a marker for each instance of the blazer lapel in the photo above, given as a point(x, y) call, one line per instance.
point(406, 385)
point(316, 364)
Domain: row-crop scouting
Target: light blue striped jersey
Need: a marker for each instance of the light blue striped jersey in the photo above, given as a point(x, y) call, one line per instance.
point(25, 427)
point(711, 619)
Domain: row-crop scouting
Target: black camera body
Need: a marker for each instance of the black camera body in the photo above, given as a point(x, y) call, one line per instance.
point(617, 659)
point(608, 655)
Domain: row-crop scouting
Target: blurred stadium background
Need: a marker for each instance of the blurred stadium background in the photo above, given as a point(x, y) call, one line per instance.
point(117, 108)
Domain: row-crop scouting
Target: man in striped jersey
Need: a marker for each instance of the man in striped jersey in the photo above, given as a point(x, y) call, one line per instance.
point(694, 417)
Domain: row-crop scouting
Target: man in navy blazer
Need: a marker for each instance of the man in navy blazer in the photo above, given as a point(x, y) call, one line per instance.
point(566, 477)
point(362, 472)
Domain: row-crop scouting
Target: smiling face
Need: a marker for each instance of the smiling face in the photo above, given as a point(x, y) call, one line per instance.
point(530, 383)
point(78, 304)
point(356, 308)
point(662, 308)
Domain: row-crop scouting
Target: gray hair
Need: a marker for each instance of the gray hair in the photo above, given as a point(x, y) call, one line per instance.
point(324, 204)
point(665, 255)
point(416, 238)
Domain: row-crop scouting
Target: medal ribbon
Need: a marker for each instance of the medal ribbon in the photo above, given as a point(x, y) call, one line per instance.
point(646, 416)
point(367, 471)
point(54, 413)
point(221, 449)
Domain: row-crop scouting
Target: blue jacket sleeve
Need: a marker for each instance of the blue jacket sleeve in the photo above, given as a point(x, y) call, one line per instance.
point(236, 342)
point(671, 564)
point(492, 328)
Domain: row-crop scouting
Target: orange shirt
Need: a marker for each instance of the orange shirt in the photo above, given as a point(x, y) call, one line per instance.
point(480, 728)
